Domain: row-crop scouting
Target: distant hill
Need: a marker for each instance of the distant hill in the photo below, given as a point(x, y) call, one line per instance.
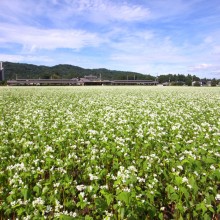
point(30, 71)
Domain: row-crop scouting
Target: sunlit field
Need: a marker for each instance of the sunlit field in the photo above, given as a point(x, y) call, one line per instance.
point(109, 153)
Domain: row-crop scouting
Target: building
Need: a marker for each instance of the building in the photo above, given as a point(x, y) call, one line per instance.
point(2, 75)
point(134, 82)
point(91, 78)
point(42, 82)
point(86, 80)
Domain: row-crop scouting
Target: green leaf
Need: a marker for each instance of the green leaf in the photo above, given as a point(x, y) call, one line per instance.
point(210, 160)
point(122, 213)
point(37, 190)
point(101, 204)
point(66, 217)
point(124, 197)
point(161, 216)
point(170, 189)
point(206, 217)
point(174, 197)
point(20, 211)
point(45, 190)
point(24, 192)
point(109, 197)
point(201, 206)
point(185, 192)
point(9, 198)
point(178, 180)
point(88, 217)
point(68, 204)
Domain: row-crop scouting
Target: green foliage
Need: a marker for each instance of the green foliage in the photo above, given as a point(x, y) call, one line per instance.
point(29, 71)
point(109, 153)
point(214, 82)
point(178, 79)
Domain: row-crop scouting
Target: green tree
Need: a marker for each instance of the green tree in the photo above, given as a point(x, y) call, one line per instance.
point(214, 82)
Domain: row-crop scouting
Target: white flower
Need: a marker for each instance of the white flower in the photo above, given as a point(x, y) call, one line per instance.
point(196, 173)
point(126, 189)
point(93, 177)
point(82, 194)
point(119, 203)
point(141, 180)
point(56, 185)
point(104, 187)
point(162, 208)
point(74, 214)
point(48, 209)
point(185, 180)
point(180, 167)
point(38, 201)
point(189, 186)
point(80, 187)
point(28, 217)
point(48, 149)
point(212, 167)
point(182, 158)
point(217, 197)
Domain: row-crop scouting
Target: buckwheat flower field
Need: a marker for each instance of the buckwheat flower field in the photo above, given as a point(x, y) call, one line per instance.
point(109, 153)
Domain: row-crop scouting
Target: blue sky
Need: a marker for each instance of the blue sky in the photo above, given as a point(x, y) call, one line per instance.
point(146, 36)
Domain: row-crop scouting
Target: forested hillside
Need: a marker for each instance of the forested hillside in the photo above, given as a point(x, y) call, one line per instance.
point(27, 71)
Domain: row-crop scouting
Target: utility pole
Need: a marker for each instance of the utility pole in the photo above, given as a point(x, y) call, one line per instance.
point(2, 75)
point(157, 78)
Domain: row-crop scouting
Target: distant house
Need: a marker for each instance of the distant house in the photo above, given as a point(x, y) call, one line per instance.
point(196, 83)
point(166, 84)
point(91, 78)
point(209, 83)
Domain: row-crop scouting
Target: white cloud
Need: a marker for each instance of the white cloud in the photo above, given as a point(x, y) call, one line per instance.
point(211, 69)
point(25, 58)
point(203, 66)
point(216, 50)
point(11, 58)
point(34, 38)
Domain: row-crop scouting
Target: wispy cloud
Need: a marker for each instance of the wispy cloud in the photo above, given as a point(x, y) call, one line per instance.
point(26, 58)
point(109, 10)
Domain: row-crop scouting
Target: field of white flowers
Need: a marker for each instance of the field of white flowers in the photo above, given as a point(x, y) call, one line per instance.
point(109, 153)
